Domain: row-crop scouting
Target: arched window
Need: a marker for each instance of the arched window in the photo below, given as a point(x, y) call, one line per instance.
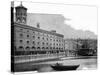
point(27, 42)
point(21, 35)
point(21, 48)
point(38, 47)
point(33, 47)
point(46, 47)
point(43, 48)
point(27, 35)
point(33, 42)
point(27, 48)
point(50, 47)
point(21, 41)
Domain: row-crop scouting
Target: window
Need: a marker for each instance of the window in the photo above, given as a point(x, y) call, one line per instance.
point(33, 47)
point(33, 42)
point(27, 35)
point(43, 43)
point(38, 37)
point(21, 48)
point(33, 36)
point(38, 42)
point(24, 13)
point(21, 41)
point(47, 43)
point(50, 43)
point(21, 29)
point(27, 48)
point(43, 38)
point(38, 47)
point(46, 47)
point(28, 42)
point(21, 35)
point(47, 39)
point(50, 47)
point(43, 48)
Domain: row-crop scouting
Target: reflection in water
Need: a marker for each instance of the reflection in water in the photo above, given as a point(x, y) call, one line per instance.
point(45, 69)
point(46, 66)
point(85, 64)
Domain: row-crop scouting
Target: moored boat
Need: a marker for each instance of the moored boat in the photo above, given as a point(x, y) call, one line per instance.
point(61, 67)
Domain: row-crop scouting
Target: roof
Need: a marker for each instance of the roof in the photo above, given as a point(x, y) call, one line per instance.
point(37, 29)
point(21, 6)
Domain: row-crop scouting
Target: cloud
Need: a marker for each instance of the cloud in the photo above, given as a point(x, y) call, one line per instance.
point(57, 22)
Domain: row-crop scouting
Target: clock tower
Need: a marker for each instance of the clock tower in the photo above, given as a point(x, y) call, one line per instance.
point(21, 14)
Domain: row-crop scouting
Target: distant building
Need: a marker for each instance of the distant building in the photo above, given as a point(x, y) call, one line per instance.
point(88, 46)
point(30, 40)
point(71, 47)
point(84, 46)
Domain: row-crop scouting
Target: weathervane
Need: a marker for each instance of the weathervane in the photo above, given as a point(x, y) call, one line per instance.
point(21, 3)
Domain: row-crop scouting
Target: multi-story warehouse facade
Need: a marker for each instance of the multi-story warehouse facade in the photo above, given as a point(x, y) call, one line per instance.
point(30, 40)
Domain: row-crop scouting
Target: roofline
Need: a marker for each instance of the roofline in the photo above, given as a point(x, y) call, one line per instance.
point(37, 29)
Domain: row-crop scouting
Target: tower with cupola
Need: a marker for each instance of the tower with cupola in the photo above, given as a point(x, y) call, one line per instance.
point(21, 14)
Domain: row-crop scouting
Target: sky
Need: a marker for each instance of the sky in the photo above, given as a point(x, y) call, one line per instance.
point(78, 17)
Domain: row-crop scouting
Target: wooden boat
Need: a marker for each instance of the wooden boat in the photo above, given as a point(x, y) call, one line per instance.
point(60, 67)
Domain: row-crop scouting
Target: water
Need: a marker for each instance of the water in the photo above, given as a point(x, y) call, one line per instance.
point(46, 66)
point(85, 64)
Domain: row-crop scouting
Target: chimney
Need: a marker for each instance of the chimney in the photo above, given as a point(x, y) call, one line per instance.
point(38, 25)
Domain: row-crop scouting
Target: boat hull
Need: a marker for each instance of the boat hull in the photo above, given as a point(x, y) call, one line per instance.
point(65, 68)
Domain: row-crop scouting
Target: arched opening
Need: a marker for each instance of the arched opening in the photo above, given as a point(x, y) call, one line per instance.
point(43, 48)
point(33, 47)
point(27, 48)
point(50, 47)
point(46, 47)
point(20, 48)
point(38, 48)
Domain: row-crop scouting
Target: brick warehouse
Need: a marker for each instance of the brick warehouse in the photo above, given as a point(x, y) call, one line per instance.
point(30, 40)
